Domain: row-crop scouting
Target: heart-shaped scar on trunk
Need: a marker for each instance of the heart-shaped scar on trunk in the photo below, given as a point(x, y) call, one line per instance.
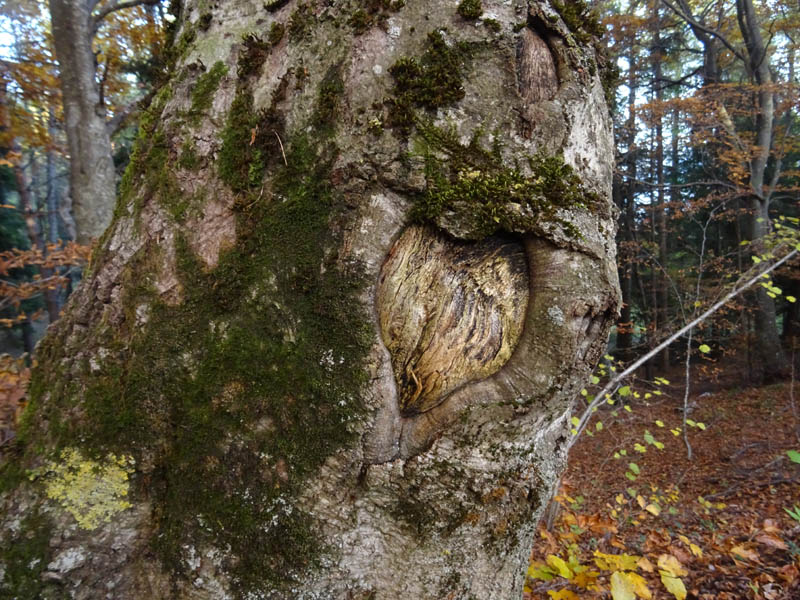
point(450, 312)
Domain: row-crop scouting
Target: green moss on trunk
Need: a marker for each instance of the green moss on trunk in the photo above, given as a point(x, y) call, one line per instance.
point(25, 555)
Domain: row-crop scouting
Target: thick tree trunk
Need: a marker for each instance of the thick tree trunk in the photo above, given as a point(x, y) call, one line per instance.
point(92, 181)
point(361, 264)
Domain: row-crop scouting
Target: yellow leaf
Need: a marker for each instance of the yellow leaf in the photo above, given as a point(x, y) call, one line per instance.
point(615, 562)
point(673, 585)
point(641, 501)
point(560, 566)
point(645, 565)
point(563, 595)
point(622, 587)
point(640, 586)
point(672, 565)
point(653, 509)
point(741, 552)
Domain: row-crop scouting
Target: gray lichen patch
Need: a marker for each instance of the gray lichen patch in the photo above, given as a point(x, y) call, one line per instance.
point(450, 312)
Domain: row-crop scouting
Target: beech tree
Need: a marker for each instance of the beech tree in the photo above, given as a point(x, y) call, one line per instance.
point(92, 178)
point(360, 264)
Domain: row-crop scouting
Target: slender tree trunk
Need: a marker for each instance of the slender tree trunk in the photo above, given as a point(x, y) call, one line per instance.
point(660, 209)
point(627, 203)
point(767, 337)
point(92, 180)
point(330, 344)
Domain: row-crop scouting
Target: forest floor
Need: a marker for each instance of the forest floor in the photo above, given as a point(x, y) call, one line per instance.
point(651, 523)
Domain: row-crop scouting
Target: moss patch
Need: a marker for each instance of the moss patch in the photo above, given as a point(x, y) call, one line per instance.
point(485, 196)
point(301, 23)
point(276, 31)
point(470, 9)
point(204, 89)
point(251, 140)
point(237, 396)
point(327, 107)
point(25, 556)
point(580, 19)
point(372, 13)
point(188, 158)
point(431, 81)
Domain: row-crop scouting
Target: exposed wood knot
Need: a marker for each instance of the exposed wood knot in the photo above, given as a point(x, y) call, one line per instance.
point(538, 79)
point(450, 312)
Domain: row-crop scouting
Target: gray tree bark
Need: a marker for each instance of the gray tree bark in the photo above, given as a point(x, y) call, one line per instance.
point(359, 270)
point(92, 180)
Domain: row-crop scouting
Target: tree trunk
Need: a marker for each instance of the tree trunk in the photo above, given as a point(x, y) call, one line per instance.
point(359, 269)
point(92, 181)
point(768, 342)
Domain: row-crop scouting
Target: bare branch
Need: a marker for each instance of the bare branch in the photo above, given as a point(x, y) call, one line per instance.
point(115, 6)
point(616, 381)
point(696, 24)
point(116, 122)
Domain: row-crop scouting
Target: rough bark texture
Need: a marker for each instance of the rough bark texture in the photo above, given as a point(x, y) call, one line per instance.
point(92, 180)
point(225, 361)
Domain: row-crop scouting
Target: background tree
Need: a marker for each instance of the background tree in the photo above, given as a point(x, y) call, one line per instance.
point(719, 149)
point(361, 263)
point(75, 26)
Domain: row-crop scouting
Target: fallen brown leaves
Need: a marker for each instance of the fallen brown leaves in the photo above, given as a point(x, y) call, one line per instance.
point(717, 523)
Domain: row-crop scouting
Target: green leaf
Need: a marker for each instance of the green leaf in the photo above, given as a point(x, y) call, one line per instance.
point(674, 585)
point(648, 437)
point(575, 421)
point(634, 467)
point(704, 348)
point(793, 455)
point(791, 299)
point(595, 379)
point(539, 571)
point(701, 426)
point(560, 565)
point(639, 448)
point(625, 390)
point(599, 426)
point(630, 475)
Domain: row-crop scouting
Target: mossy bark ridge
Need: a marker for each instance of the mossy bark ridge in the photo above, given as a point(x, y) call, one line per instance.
point(360, 265)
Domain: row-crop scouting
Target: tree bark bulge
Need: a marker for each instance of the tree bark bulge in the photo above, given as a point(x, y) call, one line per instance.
point(330, 342)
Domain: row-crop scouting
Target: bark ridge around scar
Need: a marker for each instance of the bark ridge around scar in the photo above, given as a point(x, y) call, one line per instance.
point(450, 312)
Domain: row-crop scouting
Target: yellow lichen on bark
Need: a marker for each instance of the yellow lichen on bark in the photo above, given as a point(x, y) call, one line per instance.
point(91, 491)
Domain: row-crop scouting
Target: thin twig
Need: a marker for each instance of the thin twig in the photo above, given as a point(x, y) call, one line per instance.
point(281, 145)
point(600, 398)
